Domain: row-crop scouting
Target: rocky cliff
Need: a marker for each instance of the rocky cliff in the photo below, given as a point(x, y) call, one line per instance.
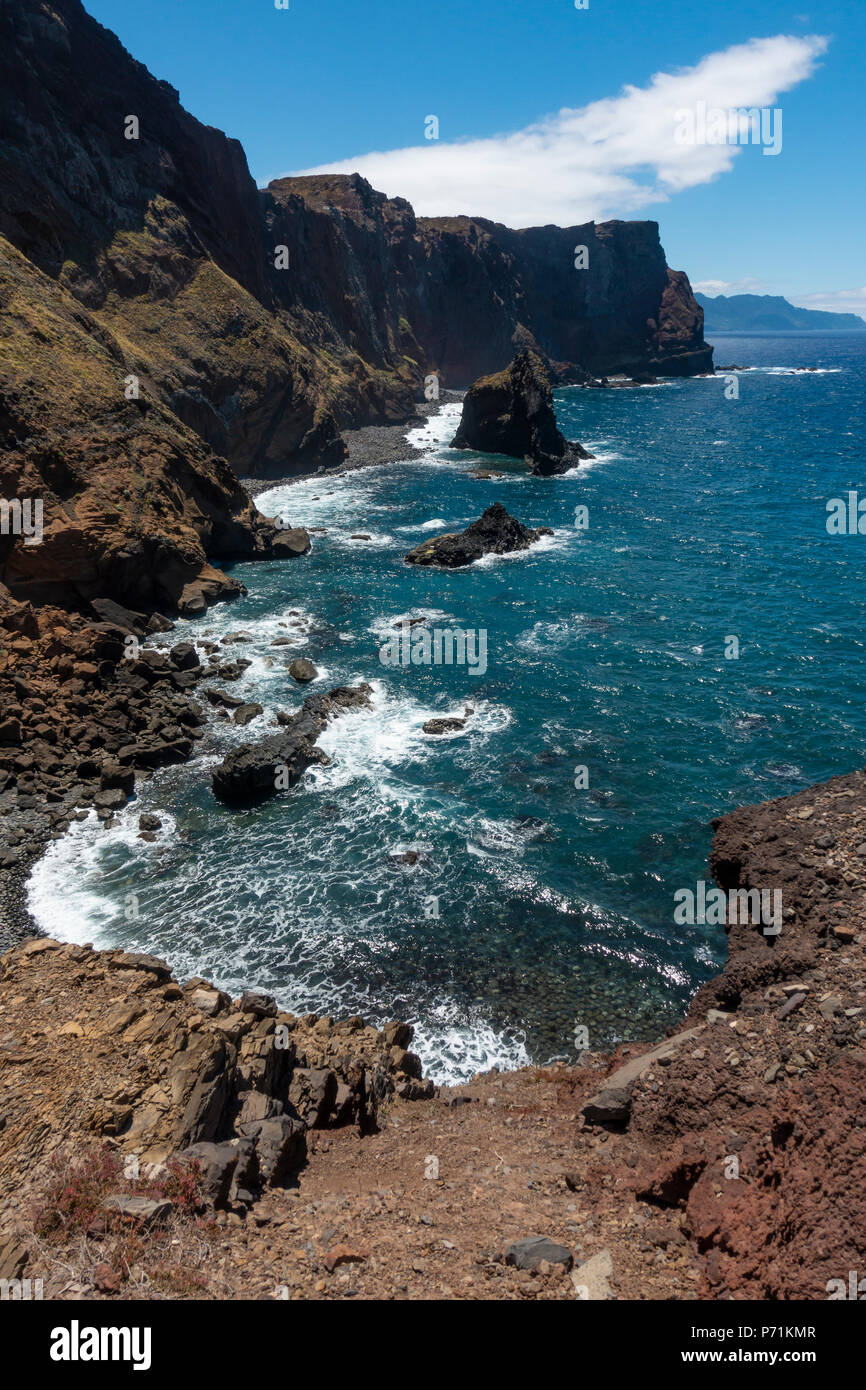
point(257, 324)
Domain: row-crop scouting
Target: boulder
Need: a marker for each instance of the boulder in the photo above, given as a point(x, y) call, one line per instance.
point(496, 532)
point(529, 1253)
point(115, 613)
point(262, 1005)
point(313, 1093)
point(141, 1210)
point(591, 1279)
point(291, 543)
point(511, 412)
point(611, 1105)
point(443, 726)
point(184, 657)
point(281, 1147)
point(244, 714)
point(302, 670)
point(228, 1171)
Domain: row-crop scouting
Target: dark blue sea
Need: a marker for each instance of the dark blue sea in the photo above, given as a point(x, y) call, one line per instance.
point(542, 897)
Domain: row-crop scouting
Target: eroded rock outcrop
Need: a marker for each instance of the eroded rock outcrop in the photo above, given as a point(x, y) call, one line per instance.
point(746, 1128)
point(495, 532)
point(256, 771)
point(233, 1084)
point(512, 413)
point(130, 503)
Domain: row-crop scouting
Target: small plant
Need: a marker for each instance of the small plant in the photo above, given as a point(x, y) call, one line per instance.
point(78, 1186)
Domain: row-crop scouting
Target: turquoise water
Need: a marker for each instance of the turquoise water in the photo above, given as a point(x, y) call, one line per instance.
point(605, 650)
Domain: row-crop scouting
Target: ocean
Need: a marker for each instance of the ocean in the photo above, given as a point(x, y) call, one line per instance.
point(698, 644)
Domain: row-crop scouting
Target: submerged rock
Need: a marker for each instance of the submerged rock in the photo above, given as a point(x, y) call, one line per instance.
point(496, 532)
point(512, 413)
point(446, 725)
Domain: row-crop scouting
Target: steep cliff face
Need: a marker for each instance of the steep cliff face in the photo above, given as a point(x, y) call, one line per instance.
point(461, 294)
point(164, 315)
point(623, 310)
point(121, 499)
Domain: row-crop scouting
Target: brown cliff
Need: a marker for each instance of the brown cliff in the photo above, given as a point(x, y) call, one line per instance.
point(167, 241)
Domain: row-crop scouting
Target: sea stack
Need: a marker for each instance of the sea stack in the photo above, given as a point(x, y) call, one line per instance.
point(511, 412)
point(496, 532)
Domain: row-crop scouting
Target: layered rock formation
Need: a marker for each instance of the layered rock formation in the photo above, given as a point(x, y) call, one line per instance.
point(234, 1084)
point(496, 532)
point(512, 413)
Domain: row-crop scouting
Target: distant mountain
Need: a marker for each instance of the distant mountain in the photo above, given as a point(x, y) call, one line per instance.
point(752, 313)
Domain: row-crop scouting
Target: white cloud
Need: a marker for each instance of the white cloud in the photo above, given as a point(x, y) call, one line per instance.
point(609, 158)
point(714, 287)
point(837, 301)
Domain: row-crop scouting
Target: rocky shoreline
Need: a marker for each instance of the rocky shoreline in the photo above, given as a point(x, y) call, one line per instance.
point(368, 446)
point(747, 1112)
point(674, 1155)
point(723, 1162)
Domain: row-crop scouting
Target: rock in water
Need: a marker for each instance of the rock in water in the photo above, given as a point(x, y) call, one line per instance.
point(495, 531)
point(512, 413)
point(443, 726)
point(302, 670)
point(256, 771)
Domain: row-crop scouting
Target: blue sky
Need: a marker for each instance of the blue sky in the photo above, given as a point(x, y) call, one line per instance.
point(341, 82)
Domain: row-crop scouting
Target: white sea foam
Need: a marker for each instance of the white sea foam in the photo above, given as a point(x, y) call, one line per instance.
point(438, 430)
point(370, 743)
point(387, 624)
point(69, 889)
point(346, 502)
point(363, 540)
point(601, 457)
point(562, 538)
point(437, 524)
point(799, 371)
point(722, 372)
point(453, 1053)
point(545, 636)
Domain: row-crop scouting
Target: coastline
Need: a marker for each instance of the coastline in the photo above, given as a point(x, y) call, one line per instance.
point(633, 1145)
point(369, 446)
point(660, 1171)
